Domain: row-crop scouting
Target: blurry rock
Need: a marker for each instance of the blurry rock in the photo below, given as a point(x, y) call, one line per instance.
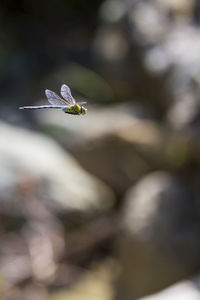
point(32, 291)
point(152, 20)
point(177, 55)
point(184, 290)
point(182, 54)
point(149, 51)
point(149, 21)
point(184, 114)
point(113, 10)
point(34, 167)
point(31, 252)
point(119, 144)
point(71, 131)
point(108, 142)
point(108, 42)
point(95, 284)
point(161, 241)
point(178, 7)
point(183, 82)
point(15, 269)
point(46, 244)
point(39, 185)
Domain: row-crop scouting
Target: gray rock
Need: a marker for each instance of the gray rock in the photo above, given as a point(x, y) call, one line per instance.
point(161, 241)
point(184, 290)
point(119, 144)
point(115, 144)
point(161, 210)
point(75, 130)
point(32, 166)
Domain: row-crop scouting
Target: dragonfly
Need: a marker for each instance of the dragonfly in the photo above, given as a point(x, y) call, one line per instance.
point(67, 103)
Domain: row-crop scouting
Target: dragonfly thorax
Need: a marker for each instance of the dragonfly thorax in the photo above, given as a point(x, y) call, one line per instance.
point(76, 110)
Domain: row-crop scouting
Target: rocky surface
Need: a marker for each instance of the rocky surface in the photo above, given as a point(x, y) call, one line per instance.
point(121, 143)
point(95, 284)
point(184, 290)
point(44, 194)
point(160, 244)
point(34, 165)
point(96, 143)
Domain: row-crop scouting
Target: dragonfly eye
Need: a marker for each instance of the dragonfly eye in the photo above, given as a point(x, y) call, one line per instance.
point(83, 110)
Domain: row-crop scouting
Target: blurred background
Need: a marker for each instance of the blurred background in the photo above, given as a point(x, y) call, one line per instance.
point(104, 206)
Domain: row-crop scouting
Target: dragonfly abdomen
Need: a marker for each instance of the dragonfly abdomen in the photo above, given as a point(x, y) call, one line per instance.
point(41, 107)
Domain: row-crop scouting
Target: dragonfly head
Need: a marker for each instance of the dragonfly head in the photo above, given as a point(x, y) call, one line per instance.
point(83, 110)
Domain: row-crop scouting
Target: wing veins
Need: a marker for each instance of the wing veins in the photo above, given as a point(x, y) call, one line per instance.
point(54, 99)
point(66, 94)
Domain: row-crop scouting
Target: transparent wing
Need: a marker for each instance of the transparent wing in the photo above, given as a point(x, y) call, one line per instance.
point(54, 99)
point(82, 102)
point(42, 107)
point(66, 94)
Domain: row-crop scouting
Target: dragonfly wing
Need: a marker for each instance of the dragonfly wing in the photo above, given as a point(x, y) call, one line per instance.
point(66, 94)
point(54, 99)
point(82, 102)
point(42, 107)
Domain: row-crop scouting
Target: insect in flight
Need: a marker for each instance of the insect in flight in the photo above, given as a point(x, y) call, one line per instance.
point(67, 103)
